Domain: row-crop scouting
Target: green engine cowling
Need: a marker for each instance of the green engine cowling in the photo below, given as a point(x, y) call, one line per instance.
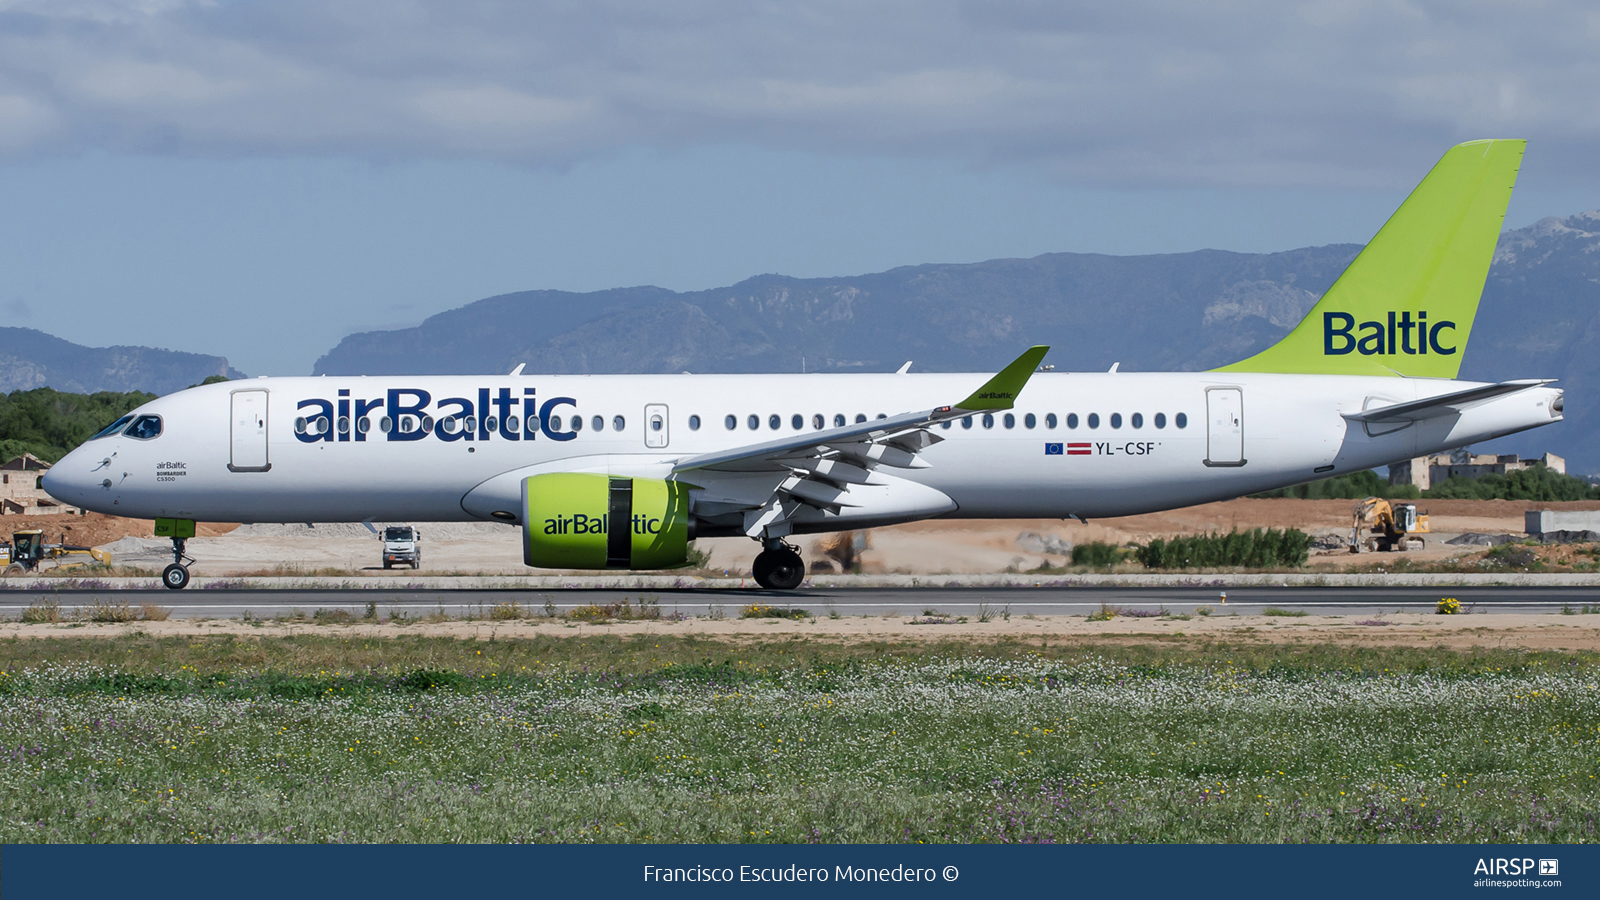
point(589, 521)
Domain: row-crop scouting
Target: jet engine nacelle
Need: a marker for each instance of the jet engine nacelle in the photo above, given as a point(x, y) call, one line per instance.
point(591, 521)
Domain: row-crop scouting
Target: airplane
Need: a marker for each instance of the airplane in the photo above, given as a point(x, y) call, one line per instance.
point(621, 472)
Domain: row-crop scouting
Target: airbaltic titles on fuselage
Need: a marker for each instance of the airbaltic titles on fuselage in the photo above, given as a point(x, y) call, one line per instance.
point(411, 414)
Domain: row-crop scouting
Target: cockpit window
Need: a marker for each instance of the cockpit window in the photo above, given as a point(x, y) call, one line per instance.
point(144, 428)
point(113, 428)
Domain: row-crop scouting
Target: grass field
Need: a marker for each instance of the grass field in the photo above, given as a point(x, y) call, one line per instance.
point(685, 739)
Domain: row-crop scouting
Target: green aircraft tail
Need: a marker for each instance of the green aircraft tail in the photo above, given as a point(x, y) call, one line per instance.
point(1406, 303)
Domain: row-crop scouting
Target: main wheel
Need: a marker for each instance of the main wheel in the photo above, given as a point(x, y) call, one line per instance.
point(779, 570)
point(175, 577)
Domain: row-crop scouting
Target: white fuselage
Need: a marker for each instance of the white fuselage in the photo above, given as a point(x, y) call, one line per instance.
point(213, 462)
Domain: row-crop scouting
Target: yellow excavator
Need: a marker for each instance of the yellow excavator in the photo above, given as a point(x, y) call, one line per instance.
point(1390, 525)
point(28, 552)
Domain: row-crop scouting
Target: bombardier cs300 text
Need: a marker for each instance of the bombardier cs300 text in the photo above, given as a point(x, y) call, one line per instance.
point(623, 471)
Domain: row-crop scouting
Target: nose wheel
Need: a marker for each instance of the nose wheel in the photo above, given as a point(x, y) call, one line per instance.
point(176, 576)
point(779, 567)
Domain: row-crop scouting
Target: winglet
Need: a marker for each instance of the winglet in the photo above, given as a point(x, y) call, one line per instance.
point(1000, 392)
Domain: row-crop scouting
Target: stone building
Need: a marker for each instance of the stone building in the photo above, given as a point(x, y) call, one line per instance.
point(1426, 471)
point(21, 492)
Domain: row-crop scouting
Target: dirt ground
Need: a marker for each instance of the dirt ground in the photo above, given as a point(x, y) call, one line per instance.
point(1464, 632)
point(94, 529)
point(930, 547)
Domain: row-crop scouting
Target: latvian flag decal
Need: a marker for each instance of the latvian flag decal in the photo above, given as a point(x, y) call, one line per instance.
point(1078, 449)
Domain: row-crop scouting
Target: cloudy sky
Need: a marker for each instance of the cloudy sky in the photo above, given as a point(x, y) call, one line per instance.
point(258, 179)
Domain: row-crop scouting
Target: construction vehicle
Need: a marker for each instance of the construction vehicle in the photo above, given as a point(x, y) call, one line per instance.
point(1391, 525)
point(28, 552)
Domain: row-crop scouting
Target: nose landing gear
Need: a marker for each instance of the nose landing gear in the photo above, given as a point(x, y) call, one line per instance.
point(176, 576)
point(779, 566)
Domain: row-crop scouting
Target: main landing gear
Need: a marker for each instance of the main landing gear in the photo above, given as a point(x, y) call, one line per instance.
point(779, 566)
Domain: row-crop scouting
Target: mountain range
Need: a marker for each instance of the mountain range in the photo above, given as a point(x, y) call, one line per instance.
point(32, 359)
point(1540, 317)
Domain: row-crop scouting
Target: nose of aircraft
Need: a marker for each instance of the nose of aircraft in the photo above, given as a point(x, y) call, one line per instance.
point(76, 477)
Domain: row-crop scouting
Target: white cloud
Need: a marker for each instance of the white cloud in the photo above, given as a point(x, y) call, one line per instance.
point(1242, 92)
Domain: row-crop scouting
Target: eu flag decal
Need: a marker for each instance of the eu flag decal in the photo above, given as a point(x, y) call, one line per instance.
point(1052, 450)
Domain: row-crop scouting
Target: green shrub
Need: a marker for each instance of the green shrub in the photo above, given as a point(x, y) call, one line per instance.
point(1354, 486)
point(1536, 483)
point(1258, 548)
point(1097, 554)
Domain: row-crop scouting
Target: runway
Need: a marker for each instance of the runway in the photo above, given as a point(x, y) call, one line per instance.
point(1329, 601)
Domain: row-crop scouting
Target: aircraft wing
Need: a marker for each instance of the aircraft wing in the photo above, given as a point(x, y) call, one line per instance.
point(818, 469)
point(1445, 404)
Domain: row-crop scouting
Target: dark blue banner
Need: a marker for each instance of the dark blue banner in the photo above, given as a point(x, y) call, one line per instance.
point(31, 872)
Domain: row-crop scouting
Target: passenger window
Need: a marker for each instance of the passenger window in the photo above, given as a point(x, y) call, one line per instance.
point(117, 426)
point(512, 424)
point(448, 424)
point(838, 420)
point(299, 426)
point(1072, 420)
point(555, 424)
point(656, 422)
point(966, 421)
point(1180, 420)
point(1161, 420)
point(470, 424)
point(774, 421)
point(363, 425)
point(988, 420)
point(1094, 420)
point(1049, 420)
point(1116, 420)
point(1011, 420)
point(598, 423)
point(945, 424)
point(754, 422)
point(817, 421)
point(577, 423)
point(1028, 421)
point(146, 427)
point(427, 424)
point(694, 423)
point(407, 424)
point(860, 418)
point(730, 422)
point(883, 415)
point(491, 424)
point(1137, 420)
point(797, 421)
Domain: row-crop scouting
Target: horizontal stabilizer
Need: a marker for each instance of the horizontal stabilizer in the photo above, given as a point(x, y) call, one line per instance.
point(1445, 404)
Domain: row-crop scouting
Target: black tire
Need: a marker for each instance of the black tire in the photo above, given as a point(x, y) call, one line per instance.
point(15, 569)
point(175, 577)
point(779, 570)
point(416, 564)
point(386, 564)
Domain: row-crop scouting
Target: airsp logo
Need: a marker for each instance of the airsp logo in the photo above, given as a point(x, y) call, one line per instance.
point(1403, 335)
